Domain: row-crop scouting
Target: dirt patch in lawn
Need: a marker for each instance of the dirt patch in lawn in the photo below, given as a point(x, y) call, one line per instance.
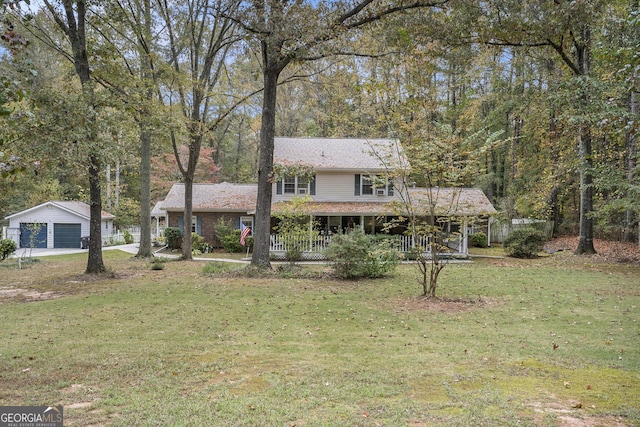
point(42, 288)
point(567, 415)
point(25, 295)
point(444, 304)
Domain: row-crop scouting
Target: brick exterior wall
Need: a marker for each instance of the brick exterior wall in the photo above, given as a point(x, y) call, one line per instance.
point(208, 222)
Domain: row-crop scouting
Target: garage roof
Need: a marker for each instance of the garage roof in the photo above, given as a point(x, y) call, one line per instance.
point(77, 208)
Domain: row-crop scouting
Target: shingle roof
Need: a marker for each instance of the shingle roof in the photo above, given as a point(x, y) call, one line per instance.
point(242, 198)
point(339, 154)
point(158, 209)
point(454, 201)
point(78, 208)
point(449, 201)
point(81, 208)
point(214, 197)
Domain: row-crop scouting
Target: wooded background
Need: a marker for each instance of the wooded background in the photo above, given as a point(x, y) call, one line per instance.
point(535, 100)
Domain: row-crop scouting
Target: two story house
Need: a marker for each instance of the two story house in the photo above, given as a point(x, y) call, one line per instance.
point(349, 187)
point(346, 180)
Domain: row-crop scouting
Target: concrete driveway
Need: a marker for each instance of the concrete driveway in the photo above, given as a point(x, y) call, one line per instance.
point(132, 249)
point(36, 253)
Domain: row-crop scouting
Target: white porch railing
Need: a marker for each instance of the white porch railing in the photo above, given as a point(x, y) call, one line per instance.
point(283, 244)
point(313, 247)
point(117, 236)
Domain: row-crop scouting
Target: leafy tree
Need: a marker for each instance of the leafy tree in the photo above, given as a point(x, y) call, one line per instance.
point(73, 24)
point(295, 227)
point(137, 19)
point(206, 33)
point(290, 32)
point(565, 28)
point(431, 215)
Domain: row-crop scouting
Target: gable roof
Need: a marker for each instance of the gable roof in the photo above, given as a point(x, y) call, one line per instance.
point(210, 197)
point(339, 154)
point(77, 208)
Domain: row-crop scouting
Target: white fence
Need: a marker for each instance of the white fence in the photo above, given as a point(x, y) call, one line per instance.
point(117, 237)
point(500, 230)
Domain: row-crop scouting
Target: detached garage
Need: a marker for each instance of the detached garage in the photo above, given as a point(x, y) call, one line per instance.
point(55, 224)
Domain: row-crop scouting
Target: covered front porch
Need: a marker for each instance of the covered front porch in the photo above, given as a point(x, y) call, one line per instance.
point(453, 240)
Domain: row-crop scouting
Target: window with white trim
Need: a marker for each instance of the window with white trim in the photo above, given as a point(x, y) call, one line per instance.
point(290, 185)
point(373, 185)
point(367, 185)
point(295, 185)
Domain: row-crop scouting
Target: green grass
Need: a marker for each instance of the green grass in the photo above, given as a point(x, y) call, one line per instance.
point(510, 342)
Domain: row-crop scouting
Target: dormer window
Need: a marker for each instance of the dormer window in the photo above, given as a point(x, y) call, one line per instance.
point(296, 185)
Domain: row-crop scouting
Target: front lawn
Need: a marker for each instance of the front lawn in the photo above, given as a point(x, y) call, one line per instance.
point(546, 342)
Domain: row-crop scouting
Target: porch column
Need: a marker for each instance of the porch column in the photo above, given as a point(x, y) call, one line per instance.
point(310, 247)
point(465, 235)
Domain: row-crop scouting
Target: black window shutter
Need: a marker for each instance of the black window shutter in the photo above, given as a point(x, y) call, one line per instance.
point(279, 187)
point(357, 185)
point(390, 188)
point(312, 186)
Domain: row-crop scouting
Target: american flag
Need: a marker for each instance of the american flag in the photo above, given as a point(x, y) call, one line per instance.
point(244, 233)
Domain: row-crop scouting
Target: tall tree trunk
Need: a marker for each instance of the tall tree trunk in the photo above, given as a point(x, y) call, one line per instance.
point(95, 263)
point(585, 242)
point(74, 27)
point(265, 170)
point(107, 196)
point(195, 144)
point(144, 249)
point(186, 220)
point(630, 215)
point(554, 208)
point(116, 191)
